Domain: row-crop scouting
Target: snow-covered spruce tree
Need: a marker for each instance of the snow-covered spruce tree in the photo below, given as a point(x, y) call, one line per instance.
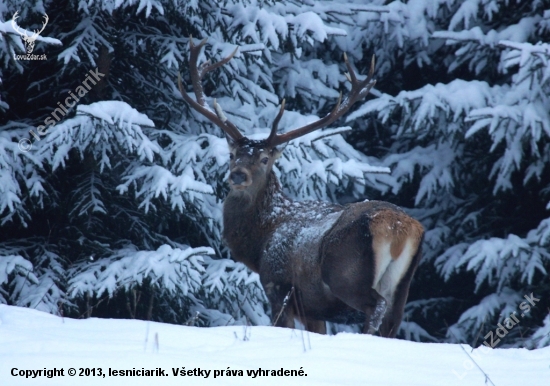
point(116, 209)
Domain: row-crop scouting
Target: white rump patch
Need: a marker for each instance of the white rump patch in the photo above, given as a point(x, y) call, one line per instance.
point(389, 272)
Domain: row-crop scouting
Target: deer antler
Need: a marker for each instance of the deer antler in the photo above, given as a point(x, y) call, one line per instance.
point(197, 72)
point(16, 27)
point(359, 90)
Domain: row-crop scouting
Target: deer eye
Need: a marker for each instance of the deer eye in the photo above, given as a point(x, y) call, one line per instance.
point(231, 156)
point(264, 160)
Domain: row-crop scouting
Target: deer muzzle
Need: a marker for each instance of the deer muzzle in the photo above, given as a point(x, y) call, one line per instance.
point(239, 178)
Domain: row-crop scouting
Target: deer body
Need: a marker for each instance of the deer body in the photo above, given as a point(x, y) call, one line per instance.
point(280, 239)
point(345, 264)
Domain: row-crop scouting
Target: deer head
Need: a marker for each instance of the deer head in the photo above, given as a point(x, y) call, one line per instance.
point(251, 161)
point(29, 40)
point(250, 164)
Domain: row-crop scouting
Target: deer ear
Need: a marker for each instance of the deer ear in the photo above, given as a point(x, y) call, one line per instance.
point(230, 141)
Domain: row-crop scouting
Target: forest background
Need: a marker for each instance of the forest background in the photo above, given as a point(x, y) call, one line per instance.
point(115, 211)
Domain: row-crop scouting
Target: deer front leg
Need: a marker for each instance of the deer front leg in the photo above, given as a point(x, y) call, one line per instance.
point(317, 326)
point(282, 312)
point(285, 311)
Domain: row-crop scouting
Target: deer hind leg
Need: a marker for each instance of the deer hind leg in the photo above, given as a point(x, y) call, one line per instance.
point(392, 319)
point(350, 277)
point(358, 295)
point(375, 314)
point(369, 279)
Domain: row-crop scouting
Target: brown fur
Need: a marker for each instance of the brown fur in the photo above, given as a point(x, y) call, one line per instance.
point(395, 227)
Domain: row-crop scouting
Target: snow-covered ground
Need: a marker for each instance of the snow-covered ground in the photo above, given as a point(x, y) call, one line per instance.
point(33, 340)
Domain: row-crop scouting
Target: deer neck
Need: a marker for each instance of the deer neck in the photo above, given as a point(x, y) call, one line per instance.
point(249, 222)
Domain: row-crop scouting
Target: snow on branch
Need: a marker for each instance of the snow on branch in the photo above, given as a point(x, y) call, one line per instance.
point(179, 271)
point(517, 114)
point(116, 113)
point(321, 158)
point(111, 6)
point(46, 293)
point(18, 173)
point(105, 128)
point(532, 59)
point(15, 264)
point(495, 260)
point(88, 38)
point(541, 337)
point(490, 307)
point(421, 108)
point(517, 33)
point(154, 181)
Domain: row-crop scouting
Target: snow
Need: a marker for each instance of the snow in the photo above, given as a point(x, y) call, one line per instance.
point(115, 111)
point(33, 340)
point(170, 268)
point(11, 263)
point(311, 22)
point(516, 33)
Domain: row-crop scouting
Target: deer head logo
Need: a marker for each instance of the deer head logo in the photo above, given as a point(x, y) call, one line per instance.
point(29, 40)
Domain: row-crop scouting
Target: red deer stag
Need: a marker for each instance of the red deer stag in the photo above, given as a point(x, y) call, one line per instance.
point(344, 264)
